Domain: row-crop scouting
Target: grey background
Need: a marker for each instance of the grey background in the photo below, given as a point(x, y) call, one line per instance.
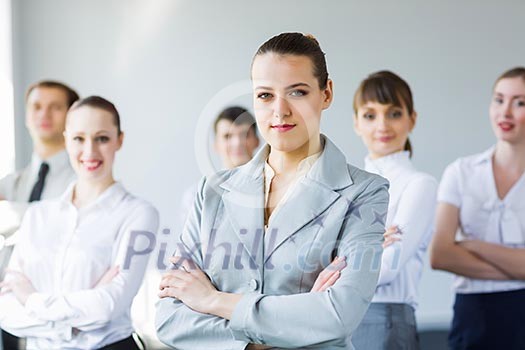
point(170, 65)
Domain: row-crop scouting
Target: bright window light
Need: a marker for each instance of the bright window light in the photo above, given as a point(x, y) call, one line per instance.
point(7, 129)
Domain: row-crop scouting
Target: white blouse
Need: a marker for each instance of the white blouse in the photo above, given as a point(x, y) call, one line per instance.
point(469, 184)
point(65, 251)
point(411, 208)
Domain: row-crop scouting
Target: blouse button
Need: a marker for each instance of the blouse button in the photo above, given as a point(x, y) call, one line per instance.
point(253, 285)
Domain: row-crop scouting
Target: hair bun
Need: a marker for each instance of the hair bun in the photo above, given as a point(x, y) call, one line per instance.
point(312, 38)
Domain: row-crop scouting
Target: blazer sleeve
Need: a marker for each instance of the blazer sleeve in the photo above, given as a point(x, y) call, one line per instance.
point(286, 320)
point(179, 326)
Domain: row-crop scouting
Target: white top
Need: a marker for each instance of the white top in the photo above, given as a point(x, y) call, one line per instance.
point(411, 208)
point(17, 186)
point(303, 168)
point(469, 184)
point(65, 251)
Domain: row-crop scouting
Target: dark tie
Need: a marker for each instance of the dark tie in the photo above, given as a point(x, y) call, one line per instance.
point(36, 193)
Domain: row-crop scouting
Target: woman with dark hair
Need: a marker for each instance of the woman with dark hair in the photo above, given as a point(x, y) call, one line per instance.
point(259, 235)
point(482, 196)
point(71, 281)
point(384, 115)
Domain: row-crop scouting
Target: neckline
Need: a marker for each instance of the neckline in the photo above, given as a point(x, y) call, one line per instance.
point(389, 163)
point(494, 186)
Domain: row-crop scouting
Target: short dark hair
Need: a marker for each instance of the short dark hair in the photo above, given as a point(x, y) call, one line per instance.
point(238, 116)
point(298, 44)
point(71, 94)
point(100, 103)
point(386, 87)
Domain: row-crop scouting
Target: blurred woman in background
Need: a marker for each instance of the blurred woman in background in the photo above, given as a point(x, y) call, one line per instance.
point(71, 280)
point(483, 196)
point(384, 115)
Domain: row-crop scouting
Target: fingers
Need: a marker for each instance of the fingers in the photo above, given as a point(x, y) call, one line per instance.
point(5, 287)
point(339, 263)
point(317, 285)
point(111, 273)
point(336, 265)
point(391, 236)
point(174, 278)
point(167, 282)
point(323, 276)
point(388, 242)
point(183, 263)
point(391, 230)
point(335, 269)
point(108, 276)
point(167, 293)
point(114, 270)
point(328, 273)
point(331, 281)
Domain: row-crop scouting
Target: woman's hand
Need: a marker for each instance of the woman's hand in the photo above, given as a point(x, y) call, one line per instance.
point(111, 273)
point(18, 284)
point(188, 284)
point(329, 275)
point(391, 236)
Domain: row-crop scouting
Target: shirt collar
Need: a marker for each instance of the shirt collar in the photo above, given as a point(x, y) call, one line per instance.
point(389, 164)
point(485, 156)
point(56, 162)
point(105, 201)
point(331, 169)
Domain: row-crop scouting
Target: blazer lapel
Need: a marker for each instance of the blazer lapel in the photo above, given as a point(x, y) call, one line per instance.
point(312, 196)
point(244, 205)
point(307, 203)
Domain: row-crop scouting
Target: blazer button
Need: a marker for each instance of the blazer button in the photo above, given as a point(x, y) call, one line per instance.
point(253, 285)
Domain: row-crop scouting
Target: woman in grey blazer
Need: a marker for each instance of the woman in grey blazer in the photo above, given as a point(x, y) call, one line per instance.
point(259, 235)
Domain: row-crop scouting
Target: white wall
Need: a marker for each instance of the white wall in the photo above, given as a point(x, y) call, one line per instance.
point(163, 62)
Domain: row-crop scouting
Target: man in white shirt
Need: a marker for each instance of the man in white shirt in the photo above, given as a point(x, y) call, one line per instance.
point(49, 172)
point(47, 103)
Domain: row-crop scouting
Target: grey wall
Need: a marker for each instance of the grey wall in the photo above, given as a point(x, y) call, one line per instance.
point(168, 65)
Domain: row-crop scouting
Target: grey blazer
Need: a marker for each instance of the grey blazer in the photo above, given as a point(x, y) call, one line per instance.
point(336, 209)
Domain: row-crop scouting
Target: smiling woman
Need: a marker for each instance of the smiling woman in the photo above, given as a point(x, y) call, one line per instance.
point(93, 136)
point(83, 240)
point(482, 195)
point(250, 258)
point(384, 115)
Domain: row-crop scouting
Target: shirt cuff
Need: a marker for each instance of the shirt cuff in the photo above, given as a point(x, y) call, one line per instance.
point(35, 304)
point(239, 320)
point(450, 200)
